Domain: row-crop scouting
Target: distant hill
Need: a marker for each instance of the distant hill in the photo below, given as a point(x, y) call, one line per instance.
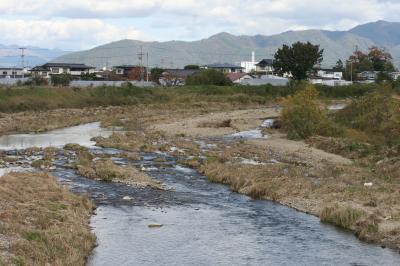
point(228, 48)
point(10, 56)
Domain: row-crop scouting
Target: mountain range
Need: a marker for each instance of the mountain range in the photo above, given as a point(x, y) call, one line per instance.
point(228, 48)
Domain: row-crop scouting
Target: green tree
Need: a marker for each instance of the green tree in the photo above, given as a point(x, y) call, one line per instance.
point(194, 67)
point(303, 117)
point(155, 74)
point(88, 76)
point(61, 79)
point(209, 77)
point(297, 59)
point(339, 66)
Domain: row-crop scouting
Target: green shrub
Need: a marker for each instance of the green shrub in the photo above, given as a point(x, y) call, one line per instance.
point(302, 116)
point(377, 114)
point(61, 79)
point(209, 77)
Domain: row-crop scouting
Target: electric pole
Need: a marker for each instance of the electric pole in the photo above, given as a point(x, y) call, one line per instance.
point(140, 56)
point(147, 66)
point(22, 59)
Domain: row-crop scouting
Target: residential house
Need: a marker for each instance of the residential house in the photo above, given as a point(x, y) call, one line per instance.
point(49, 69)
point(224, 67)
point(176, 77)
point(265, 66)
point(9, 72)
point(328, 77)
point(131, 72)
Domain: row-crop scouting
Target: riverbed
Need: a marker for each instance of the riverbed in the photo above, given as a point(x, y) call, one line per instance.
point(202, 223)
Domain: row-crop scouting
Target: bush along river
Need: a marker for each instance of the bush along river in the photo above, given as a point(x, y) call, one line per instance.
point(194, 222)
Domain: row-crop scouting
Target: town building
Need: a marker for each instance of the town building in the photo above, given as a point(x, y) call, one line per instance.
point(131, 72)
point(12, 72)
point(265, 66)
point(224, 67)
point(49, 69)
point(249, 66)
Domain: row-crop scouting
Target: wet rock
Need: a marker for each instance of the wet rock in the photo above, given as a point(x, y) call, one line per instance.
point(127, 198)
point(155, 225)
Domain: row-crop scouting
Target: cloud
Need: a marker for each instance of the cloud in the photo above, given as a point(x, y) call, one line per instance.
point(82, 23)
point(73, 33)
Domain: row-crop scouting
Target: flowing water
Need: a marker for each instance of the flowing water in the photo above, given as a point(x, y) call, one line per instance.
point(205, 224)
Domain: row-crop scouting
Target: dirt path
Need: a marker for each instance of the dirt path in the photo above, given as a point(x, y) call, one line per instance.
point(240, 120)
point(299, 149)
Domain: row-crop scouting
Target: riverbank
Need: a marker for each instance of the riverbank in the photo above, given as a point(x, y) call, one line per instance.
point(339, 190)
point(42, 223)
point(205, 136)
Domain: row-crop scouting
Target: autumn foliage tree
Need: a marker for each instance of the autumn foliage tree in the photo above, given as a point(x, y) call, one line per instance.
point(375, 60)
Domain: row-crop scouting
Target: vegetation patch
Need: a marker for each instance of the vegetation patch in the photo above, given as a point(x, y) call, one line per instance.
point(43, 222)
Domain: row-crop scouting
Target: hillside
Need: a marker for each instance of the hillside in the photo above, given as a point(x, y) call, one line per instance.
point(225, 47)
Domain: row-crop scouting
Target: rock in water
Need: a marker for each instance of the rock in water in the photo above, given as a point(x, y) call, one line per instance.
point(155, 225)
point(127, 198)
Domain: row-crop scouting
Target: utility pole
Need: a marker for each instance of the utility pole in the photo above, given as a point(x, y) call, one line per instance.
point(22, 59)
point(140, 56)
point(147, 66)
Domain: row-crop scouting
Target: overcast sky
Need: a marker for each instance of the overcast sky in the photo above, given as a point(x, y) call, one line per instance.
point(82, 24)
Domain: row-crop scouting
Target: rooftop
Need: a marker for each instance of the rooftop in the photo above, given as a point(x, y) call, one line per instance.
point(223, 65)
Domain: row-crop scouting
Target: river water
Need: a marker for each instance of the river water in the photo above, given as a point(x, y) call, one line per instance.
point(205, 224)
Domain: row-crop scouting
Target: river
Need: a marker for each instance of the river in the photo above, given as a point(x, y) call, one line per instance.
point(202, 223)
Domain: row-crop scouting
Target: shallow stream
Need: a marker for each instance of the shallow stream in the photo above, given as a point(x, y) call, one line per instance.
point(202, 223)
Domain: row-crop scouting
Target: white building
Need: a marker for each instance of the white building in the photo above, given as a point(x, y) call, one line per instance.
point(249, 66)
point(9, 72)
point(329, 74)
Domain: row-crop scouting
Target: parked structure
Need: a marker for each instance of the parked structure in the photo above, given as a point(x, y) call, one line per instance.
point(224, 67)
point(11, 72)
point(265, 66)
point(48, 69)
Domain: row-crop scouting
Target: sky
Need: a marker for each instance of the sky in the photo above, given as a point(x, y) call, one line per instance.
point(83, 24)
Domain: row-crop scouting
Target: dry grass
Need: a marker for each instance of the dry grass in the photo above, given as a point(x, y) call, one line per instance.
point(43, 223)
point(107, 170)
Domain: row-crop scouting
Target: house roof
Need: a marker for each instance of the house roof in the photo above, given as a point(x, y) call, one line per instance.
point(223, 65)
point(180, 72)
point(10, 68)
point(265, 62)
point(236, 76)
point(70, 65)
point(126, 66)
